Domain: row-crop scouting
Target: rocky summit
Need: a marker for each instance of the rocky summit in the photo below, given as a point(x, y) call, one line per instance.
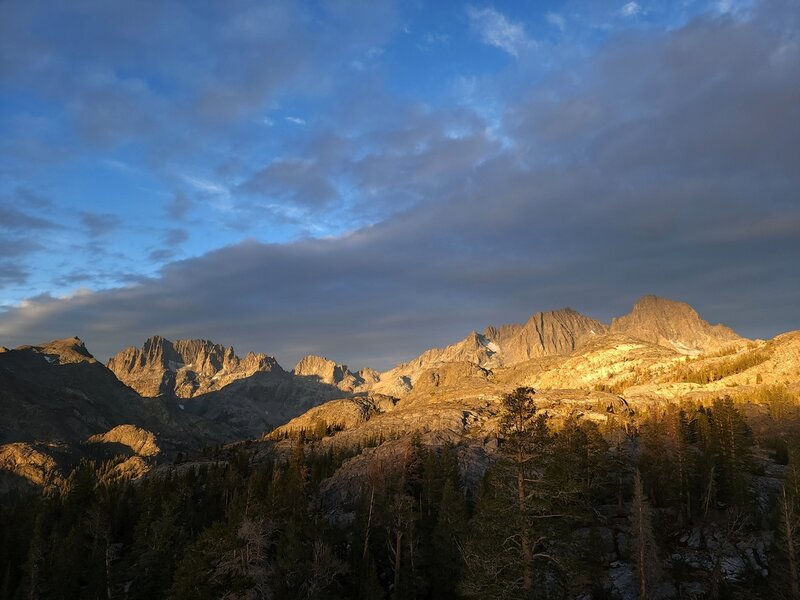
point(185, 368)
point(673, 324)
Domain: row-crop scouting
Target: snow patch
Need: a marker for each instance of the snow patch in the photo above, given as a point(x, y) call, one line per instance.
point(682, 348)
point(182, 406)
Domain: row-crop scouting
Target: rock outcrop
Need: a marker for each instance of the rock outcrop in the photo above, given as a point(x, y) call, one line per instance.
point(551, 333)
point(326, 371)
point(140, 441)
point(185, 368)
point(337, 415)
point(673, 324)
point(24, 465)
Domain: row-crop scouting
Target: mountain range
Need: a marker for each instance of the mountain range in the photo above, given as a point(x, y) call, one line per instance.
point(58, 403)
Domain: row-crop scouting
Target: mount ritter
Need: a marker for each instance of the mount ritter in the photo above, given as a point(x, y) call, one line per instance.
point(653, 457)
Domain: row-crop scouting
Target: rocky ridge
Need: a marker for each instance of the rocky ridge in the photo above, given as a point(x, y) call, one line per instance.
point(185, 368)
point(140, 441)
point(203, 392)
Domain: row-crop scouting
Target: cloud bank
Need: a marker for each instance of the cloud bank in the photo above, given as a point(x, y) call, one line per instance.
point(667, 162)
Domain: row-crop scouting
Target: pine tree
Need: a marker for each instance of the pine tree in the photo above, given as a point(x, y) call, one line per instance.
point(786, 564)
point(645, 551)
point(449, 531)
point(509, 550)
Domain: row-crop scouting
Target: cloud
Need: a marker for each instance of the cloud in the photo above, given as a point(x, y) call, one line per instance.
point(495, 29)
point(11, 218)
point(99, 224)
point(207, 186)
point(665, 163)
point(18, 246)
point(296, 120)
point(300, 182)
point(179, 206)
point(631, 9)
point(14, 219)
point(16, 250)
point(175, 237)
point(556, 20)
point(432, 40)
point(11, 273)
point(171, 240)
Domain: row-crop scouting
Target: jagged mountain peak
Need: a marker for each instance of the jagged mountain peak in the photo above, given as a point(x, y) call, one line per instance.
point(184, 367)
point(547, 333)
point(673, 324)
point(327, 371)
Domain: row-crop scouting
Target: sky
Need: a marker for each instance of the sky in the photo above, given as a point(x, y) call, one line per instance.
point(364, 180)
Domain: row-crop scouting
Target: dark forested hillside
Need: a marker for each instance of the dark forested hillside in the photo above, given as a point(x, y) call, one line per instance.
point(679, 502)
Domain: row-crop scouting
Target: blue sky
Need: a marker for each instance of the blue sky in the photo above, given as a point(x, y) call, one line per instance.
point(448, 164)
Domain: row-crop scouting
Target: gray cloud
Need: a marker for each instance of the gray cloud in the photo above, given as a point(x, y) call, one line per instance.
point(98, 224)
point(179, 206)
point(175, 237)
point(18, 246)
point(667, 164)
point(11, 272)
point(11, 218)
point(296, 181)
point(171, 239)
point(122, 72)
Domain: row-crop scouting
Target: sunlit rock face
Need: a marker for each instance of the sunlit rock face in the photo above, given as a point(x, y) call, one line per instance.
point(185, 368)
point(139, 441)
point(328, 372)
point(237, 397)
point(24, 465)
point(673, 324)
point(550, 333)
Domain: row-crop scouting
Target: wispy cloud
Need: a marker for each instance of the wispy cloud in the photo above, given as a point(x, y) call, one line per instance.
point(296, 120)
point(433, 40)
point(631, 9)
point(97, 224)
point(556, 20)
point(495, 29)
point(179, 206)
point(11, 218)
point(207, 186)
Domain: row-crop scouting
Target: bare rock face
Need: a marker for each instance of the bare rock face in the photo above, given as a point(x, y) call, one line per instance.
point(449, 376)
point(551, 333)
point(140, 441)
point(328, 372)
point(235, 397)
point(673, 324)
point(185, 368)
point(23, 464)
point(62, 352)
point(337, 415)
